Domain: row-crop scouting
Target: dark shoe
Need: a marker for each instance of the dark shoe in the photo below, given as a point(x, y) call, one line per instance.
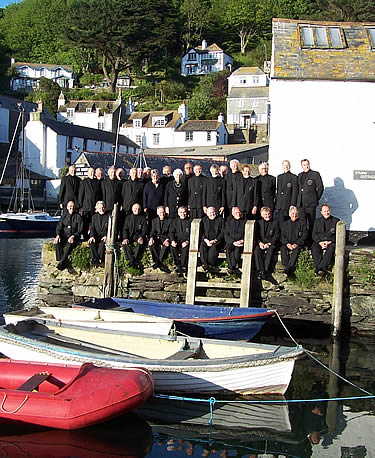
point(230, 271)
point(61, 266)
point(155, 265)
point(320, 273)
point(180, 272)
point(205, 267)
point(287, 272)
point(260, 275)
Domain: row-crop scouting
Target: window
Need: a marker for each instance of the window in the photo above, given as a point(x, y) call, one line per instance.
point(101, 125)
point(138, 139)
point(155, 139)
point(88, 110)
point(208, 136)
point(70, 142)
point(70, 112)
point(43, 72)
point(239, 103)
point(189, 136)
point(243, 81)
point(255, 79)
point(158, 122)
point(255, 103)
point(137, 123)
point(192, 56)
point(371, 34)
point(322, 37)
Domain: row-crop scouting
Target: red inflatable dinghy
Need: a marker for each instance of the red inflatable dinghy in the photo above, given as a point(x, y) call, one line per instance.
point(69, 397)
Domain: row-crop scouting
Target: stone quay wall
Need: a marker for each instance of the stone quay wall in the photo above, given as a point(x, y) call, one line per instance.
point(58, 288)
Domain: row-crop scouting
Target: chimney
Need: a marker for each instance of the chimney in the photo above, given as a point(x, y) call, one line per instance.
point(61, 100)
point(204, 44)
point(40, 105)
point(220, 118)
point(183, 112)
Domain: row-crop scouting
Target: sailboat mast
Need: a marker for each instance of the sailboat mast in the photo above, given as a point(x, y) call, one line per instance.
point(22, 195)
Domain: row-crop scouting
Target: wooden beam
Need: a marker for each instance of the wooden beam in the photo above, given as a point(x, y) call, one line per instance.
point(338, 280)
point(246, 264)
point(193, 261)
point(109, 277)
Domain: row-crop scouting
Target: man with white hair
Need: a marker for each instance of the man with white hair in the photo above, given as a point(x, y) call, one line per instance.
point(286, 192)
point(196, 189)
point(212, 238)
point(98, 233)
point(175, 194)
point(69, 188)
point(231, 180)
point(214, 192)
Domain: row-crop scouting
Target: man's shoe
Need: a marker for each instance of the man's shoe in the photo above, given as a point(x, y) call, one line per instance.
point(287, 272)
point(260, 275)
point(60, 266)
point(320, 273)
point(205, 267)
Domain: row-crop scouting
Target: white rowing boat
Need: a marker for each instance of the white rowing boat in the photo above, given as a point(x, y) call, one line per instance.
point(178, 364)
point(94, 318)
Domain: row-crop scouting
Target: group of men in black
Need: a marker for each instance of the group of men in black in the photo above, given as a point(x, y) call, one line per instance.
point(156, 211)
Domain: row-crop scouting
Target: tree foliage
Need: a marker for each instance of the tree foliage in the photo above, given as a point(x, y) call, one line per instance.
point(195, 17)
point(48, 92)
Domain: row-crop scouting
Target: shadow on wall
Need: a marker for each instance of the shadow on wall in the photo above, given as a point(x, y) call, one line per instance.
point(342, 201)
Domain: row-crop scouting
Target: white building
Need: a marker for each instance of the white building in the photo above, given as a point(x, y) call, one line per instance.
point(204, 59)
point(29, 75)
point(322, 93)
point(51, 144)
point(170, 129)
point(97, 114)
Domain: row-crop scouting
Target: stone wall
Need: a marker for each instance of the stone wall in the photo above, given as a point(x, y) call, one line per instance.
point(65, 288)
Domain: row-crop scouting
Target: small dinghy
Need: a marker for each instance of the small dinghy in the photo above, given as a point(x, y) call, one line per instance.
point(67, 396)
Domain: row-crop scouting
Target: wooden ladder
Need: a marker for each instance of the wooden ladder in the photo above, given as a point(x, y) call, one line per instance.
point(244, 285)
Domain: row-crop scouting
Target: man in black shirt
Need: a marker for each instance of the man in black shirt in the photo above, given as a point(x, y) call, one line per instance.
point(286, 192)
point(324, 240)
point(98, 233)
point(111, 189)
point(135, 230)
point(246, 194)
point(267, 236)
point(196, 187)
point(180, 240)
point(89, 195)
point(212, 238)
point(159, 237)
point(131, 193)
point(68, 234)
point(234, 233)
point(231, 180)
point(267, 187)
point(69, 188)
point(214, 192)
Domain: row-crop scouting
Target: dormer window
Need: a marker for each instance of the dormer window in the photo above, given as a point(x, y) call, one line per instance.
point(70, 112)
point(137, 123)
point(158, 122)
point(371, 35)
point(255, 79)
point(192, 56)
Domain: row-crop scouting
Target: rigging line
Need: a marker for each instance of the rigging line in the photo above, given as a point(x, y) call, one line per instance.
point(319, 362)
point(10, 148)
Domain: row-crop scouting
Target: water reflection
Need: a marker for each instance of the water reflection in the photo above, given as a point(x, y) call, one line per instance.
point(20, 263)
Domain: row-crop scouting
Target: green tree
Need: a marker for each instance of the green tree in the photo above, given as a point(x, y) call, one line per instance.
point(48, 92)
point(194, 18)
point(123, 32)
point(346, 10)
point(32, 30)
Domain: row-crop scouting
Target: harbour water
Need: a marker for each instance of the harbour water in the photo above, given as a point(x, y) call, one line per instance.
point(176, 429)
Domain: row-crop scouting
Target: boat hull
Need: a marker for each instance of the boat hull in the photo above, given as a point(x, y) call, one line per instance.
point(28, 224)
point(230, 323)
point(71, 397)
point(256, 369)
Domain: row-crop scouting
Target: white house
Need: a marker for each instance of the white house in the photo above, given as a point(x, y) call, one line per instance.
point(204, 59)
point(29, 75)
point(51, 144)
point(97, 114)
point(322, 93)
point(169, 129)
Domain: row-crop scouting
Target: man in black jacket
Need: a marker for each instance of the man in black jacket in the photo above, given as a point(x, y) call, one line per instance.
point(98, 233)
point(324, 240)
point(111, 189)
point(180, 240)
point(68, 234)
point(196, 187)
point(231, 180)
point(286, 192)
point(214, 192)
point(247, 194)
point(212, 238)
point(69, 188)
point(267, 187)
point(310, 187)
point(131, 193)
point(293, 240)
point(135, 230)
point(159, 237)
point(234, 233)
point(89, 195)
point(267, 237)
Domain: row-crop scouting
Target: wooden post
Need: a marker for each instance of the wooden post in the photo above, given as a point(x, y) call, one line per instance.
point(333, 386)
point(338, 280)
point(109, 277)
point(193, 261)
point(246, 264)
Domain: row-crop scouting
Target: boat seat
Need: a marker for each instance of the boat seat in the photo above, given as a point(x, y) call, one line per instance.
point(34, 381)
point(187, 351)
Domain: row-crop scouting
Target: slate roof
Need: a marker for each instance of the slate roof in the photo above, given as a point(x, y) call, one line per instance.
point(105, 160)
point(247, 92)
point(10, 103)
point(247, 71)
point(146, 117)
point(80, 105)
point(73, 130)
point(201, 125)
point(212, 47)
point(69, 68)
point(293, 59)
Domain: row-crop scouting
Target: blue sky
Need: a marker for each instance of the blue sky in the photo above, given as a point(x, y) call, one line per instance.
point(4, 3)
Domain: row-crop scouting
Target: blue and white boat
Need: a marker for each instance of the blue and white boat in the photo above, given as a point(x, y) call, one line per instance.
point(232, 323)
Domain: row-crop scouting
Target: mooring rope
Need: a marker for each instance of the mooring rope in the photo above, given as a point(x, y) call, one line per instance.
point(15, 410)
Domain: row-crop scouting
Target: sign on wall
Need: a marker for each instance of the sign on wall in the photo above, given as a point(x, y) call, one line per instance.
point(363, 174)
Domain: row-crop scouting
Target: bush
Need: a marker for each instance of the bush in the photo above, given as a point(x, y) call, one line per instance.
point(81, 257)
point(304, 273)
point(366, 270)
